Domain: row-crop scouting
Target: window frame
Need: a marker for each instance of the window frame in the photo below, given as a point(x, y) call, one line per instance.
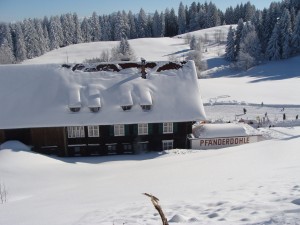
point(146, 107)
point(119, 130)
point(126, 107)
point(74, 109)
point(168, 128)
point(143, 129)
point(167, 144)
point(94, 109)
point(76, 132)
point(93, 131)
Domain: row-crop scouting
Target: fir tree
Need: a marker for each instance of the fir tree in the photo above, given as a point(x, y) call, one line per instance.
point(77, 30)
point(132, 26)
point(273, 49)
point(95, 27)
point(285, 34)
point(55, 33)
point(181, 19)
point(296, 35)
point(141, 24)
point(250, 51)
point(33, 46)
point(86, 30)
point(19, 43)
point(238, 36)
point(6, 53)
point(230, 45)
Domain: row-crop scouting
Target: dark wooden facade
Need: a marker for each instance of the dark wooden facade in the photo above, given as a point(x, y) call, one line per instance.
point(55, 140)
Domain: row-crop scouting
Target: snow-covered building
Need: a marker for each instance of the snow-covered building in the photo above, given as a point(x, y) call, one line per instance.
point(97, 109)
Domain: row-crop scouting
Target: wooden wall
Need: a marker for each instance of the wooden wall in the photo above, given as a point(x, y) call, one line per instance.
point(48, 140)
point(2, 136)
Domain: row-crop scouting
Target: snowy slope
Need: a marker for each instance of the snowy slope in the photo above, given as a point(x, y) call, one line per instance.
point(250, 184)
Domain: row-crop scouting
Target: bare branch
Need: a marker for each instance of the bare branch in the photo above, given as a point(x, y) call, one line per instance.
point(156, 205)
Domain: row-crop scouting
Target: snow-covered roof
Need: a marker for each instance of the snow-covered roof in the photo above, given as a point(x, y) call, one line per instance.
point(220, 130)
point(42, 95)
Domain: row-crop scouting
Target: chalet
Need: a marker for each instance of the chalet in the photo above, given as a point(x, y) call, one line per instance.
point(99, 109)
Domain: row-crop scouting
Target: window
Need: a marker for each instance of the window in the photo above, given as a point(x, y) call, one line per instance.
point(94, 109)
point(168, 128)
point(167, 144)
point(143, 128)
point(146, 107)
point(93, 131)
point(76, 132)
point(126, 107)
point(142, 146)
point(127, 147)
point(74, 109)
point(111, 148)
point(119, 130)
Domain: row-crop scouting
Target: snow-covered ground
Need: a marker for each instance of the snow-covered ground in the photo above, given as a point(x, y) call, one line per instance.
point(252, 184)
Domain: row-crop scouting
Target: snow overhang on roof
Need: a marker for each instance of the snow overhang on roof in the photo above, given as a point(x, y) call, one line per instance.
point(41, 95)
point(219, 130)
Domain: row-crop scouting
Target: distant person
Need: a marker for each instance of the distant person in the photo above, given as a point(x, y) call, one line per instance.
point(266, 114)
point(284, 117)
point(244, 110)
point(262, 104)
point(296, 116)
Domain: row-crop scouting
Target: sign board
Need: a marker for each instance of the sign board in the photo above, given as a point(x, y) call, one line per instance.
point(222, 142)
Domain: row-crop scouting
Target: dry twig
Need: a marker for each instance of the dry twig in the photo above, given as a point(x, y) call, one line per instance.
point(154, 201)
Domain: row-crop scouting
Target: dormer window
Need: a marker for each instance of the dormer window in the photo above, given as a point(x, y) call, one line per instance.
point(146, 107)
point(126, 107)
point(94, 109)
point(74, 109)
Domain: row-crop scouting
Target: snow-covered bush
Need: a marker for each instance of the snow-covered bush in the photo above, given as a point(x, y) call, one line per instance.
point(123, 52)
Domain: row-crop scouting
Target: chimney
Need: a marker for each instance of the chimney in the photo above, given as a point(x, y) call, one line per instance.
point(143, 68)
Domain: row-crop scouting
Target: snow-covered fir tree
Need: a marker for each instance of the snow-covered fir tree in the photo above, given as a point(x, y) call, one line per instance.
point(193, 17)
point(45, 24)
point(132, 25)
point(5, 34)
point(285, 34)
point(230, 45)
point(156, 25)
point(273, 48)
point(197, 55)
point(106, 33)
point(19, 43)
point(250, 50)
point(123, 51)
point(296, 35)
point(6, 53)
point(181, 19)
point(42, 42)
point(55, 32)
point(121, 28)
point(95, 27)
point(171, 26)
point(68, 28)
point(77, 38)
point(86, 30)
point(33, 46)
point(194, 43)
point(141, 24)
point(238, 35)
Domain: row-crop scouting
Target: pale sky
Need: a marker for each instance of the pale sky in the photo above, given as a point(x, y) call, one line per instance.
point(17, 10)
